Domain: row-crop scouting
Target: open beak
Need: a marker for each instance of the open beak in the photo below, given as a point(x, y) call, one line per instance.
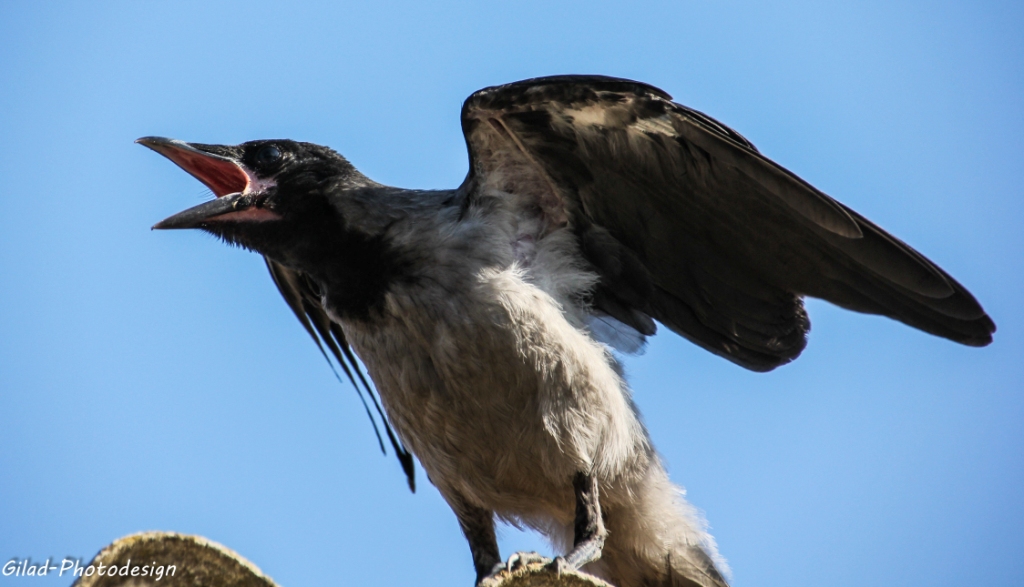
point(226, 177)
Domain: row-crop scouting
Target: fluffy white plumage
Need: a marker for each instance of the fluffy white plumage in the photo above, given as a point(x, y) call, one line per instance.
point(491, 376)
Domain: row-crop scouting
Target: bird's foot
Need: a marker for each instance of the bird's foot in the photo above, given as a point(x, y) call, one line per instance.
point(522, 559)
point(515, 562)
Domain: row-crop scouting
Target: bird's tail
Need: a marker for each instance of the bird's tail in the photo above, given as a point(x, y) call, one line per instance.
point(656, 538)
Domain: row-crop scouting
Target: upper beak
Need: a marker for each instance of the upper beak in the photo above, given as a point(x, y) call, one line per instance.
point(224, 175)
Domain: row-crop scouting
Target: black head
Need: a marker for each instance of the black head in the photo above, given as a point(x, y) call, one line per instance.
point(282, 198)
point(268, 192)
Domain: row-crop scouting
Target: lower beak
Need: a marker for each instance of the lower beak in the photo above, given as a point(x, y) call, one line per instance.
point(204, 213)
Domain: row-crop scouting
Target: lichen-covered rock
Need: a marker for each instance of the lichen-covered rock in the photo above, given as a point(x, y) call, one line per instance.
point(167, 559)
point(536, 575)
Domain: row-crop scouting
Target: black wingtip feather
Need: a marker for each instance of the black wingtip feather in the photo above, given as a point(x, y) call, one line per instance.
point(290, 291)
point(681, 319)
point(404, 456)
point(315, 321)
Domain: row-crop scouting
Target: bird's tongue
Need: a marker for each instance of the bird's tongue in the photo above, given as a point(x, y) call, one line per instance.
point(222, 176)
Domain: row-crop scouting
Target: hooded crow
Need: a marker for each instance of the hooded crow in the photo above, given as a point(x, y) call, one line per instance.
point(594, 207)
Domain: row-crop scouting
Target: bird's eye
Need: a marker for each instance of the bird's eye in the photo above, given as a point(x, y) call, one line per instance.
point(268, 156)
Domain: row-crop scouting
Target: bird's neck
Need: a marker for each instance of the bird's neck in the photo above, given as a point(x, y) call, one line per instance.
point(355, 269)
point(358, 278)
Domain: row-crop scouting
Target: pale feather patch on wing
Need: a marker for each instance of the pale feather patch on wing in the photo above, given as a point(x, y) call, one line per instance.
point(660, 125)
point(594, 115)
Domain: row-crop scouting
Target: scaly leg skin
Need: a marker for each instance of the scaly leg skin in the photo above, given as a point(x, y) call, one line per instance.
point(589, 531)
point(478, 526)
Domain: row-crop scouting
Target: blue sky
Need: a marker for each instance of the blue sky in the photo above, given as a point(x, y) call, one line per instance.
point(157, 381)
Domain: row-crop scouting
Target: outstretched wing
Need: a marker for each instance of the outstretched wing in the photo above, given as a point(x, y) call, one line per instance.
point(687, 223)
point(298, 292)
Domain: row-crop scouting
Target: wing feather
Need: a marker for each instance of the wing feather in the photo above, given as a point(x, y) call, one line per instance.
point(301, 299)
point(687, 223)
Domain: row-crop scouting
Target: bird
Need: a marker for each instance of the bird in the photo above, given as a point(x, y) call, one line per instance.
point(493, 318)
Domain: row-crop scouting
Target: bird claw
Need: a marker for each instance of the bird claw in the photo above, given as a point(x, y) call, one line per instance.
point(519, 560)
point(529, 563)
point(559, 565)
point(514, 563)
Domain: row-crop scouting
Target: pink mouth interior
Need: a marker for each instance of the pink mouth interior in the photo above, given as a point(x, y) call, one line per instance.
point(223, 177)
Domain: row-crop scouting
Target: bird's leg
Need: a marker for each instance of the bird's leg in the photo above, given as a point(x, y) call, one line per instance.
point(589, 530)
point(478, 526)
